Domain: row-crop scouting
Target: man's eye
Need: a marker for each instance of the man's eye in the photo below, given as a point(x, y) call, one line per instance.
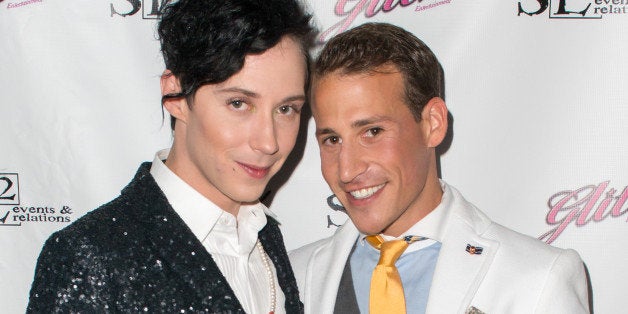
point(289, 109)
point(372, 132)
point(237, 104)
point(286, 110)
point(332, 140)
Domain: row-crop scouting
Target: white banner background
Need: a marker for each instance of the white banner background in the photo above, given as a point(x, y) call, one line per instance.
point(538, 103)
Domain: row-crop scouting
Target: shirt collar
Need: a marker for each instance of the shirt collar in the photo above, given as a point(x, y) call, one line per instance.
point(431, 226)
point(199, 213)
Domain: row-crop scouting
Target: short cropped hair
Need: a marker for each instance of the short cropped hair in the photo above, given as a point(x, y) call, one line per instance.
point(206, 41)
point(368, 47)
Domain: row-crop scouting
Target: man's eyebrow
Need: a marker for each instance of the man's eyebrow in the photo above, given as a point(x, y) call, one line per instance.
point(246, 92)
point(356, 124)
point(252, 94)
point(294, 98)
point(371, 120)
point(324, 131)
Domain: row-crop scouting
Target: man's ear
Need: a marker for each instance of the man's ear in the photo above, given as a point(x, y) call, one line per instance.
point(434, 116)
point(177, 107)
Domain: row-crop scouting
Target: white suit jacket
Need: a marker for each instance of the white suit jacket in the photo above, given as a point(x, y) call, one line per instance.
point(514, 274)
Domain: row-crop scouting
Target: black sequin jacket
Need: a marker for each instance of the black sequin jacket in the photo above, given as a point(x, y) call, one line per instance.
point(135, 254)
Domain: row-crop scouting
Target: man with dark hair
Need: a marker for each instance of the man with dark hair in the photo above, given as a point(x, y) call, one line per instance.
point(189, 234)
point(413, 243)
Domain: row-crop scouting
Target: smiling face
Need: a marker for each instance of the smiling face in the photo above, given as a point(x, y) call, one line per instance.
point(376, 158)
point(238, 133)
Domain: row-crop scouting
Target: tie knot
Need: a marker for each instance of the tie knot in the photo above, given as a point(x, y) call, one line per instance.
point(389, 250)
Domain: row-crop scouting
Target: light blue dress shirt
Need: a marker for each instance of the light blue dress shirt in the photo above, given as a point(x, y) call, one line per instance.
point(416, 265)
point(416, 269)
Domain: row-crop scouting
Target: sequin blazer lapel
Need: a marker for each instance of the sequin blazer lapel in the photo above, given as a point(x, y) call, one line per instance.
point(135, 254)
point(190, 258)
point(177, 247)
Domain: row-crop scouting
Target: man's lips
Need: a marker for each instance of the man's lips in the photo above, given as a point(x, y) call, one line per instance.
point(255, 171)
point(367, 192)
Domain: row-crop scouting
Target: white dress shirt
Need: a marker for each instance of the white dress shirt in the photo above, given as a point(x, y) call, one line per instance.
point(230, 240)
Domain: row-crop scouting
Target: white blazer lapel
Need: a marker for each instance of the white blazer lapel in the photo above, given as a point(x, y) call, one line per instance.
point(458, 273)
point(325, 268)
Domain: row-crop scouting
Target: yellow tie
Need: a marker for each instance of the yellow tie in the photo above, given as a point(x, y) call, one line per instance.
point(386, 288)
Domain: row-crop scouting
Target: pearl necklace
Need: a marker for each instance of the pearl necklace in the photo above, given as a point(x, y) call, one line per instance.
point(271, 276)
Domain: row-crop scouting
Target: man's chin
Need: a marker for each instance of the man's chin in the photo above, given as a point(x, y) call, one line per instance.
point(250, 198)
point(365, 227)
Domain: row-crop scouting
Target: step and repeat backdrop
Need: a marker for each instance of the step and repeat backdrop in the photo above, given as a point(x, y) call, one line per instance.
point(537, 90)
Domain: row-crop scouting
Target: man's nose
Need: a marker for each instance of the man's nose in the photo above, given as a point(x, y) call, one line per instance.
point(263, 135)
point(351, 162)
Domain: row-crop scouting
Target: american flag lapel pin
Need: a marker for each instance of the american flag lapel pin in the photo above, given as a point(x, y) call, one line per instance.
point(477, 250)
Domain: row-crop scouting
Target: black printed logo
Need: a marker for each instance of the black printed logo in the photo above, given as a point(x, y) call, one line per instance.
point(9, 195)
point(572, 9)
point(151, 9)
point(13, 213)
point(9, 189)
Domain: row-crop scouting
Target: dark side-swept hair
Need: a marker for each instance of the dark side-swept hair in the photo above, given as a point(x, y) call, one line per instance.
point(368, 47)
point(206, 41)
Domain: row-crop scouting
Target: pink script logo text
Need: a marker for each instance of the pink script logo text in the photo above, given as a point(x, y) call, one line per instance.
point(369, 7)
point(591, 203)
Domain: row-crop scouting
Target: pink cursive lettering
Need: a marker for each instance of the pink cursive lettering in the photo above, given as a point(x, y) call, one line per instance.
point(369, 7)
point(582, 206)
